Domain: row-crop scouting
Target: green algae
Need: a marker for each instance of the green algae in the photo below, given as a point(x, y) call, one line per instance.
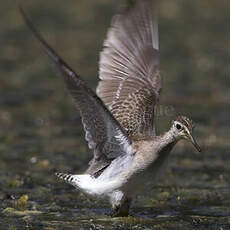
point(22, 202)
point(14, 212)
point(13, 183)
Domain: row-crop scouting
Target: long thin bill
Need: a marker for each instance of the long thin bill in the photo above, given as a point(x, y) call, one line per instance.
point(193, 140)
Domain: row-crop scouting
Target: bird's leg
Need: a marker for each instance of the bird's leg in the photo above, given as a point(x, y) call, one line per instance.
point(122, 209)
point(120, 204)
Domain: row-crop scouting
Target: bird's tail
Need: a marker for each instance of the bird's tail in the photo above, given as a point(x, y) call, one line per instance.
point(69, 178)
point(90, 185)
point(84, 182)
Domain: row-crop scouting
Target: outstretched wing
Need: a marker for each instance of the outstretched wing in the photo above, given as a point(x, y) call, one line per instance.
point(103, 133)
point(129, 68)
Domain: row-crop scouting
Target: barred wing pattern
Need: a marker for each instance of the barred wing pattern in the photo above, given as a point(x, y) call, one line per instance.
point(129, 68)
point(103, 133)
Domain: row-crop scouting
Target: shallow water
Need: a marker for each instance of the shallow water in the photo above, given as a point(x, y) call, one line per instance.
point(41, 132)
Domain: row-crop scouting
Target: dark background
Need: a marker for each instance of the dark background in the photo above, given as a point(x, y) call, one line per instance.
point(41, 131)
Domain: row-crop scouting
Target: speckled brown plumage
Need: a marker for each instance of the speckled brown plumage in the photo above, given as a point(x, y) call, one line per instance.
point(187, 122)
point(129, 69)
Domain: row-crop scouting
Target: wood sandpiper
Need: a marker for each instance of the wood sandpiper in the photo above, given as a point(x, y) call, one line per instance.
point(119, 119)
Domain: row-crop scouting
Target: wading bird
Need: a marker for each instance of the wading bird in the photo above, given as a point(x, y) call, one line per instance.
point(119, 119)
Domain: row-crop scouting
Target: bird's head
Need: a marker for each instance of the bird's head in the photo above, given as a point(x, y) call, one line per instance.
point(182, 128)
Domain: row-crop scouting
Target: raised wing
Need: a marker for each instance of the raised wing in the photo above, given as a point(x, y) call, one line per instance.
point(103, 133)
point(129, 68)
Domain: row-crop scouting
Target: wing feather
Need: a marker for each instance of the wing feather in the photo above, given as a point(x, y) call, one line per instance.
point(129, 74)
point(103, 132)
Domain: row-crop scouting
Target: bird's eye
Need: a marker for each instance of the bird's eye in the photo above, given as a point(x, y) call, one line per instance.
point(178, 126)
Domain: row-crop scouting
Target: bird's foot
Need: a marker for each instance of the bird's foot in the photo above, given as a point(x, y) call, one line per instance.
point(119, 212)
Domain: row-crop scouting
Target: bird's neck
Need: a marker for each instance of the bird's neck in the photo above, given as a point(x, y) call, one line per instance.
point(167, 141)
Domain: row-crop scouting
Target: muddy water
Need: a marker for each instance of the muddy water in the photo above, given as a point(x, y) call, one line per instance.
point(41, 132)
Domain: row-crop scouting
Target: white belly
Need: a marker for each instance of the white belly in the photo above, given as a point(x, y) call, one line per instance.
point(130, 174)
